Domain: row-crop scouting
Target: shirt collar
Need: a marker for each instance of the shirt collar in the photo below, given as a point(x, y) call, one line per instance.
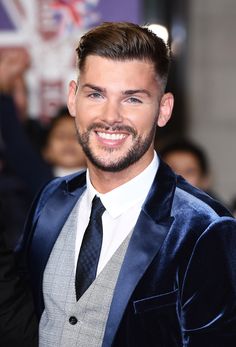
point(116, 201)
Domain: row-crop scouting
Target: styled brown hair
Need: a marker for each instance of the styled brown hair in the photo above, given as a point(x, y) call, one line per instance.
point(125, 41)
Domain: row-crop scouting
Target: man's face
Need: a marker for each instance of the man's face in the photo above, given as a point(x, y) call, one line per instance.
point(116, 106)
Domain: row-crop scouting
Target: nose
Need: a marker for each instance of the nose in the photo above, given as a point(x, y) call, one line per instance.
point(112, 112)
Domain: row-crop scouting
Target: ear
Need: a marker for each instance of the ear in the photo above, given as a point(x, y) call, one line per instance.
point(71, 102)
point(165, 110)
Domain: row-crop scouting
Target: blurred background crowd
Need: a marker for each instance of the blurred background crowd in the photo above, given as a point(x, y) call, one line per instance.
point(37, 135)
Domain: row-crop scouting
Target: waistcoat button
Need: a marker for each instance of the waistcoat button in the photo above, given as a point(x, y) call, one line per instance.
point(73, 320)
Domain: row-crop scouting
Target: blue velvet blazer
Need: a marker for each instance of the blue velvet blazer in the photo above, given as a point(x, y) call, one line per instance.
point(177, 284)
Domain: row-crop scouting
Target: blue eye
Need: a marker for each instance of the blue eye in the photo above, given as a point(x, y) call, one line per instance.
point(133, 100)
point(95, 95)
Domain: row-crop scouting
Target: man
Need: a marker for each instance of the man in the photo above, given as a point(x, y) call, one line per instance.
point(165, 273)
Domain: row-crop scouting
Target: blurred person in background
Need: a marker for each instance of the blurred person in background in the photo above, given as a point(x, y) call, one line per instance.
point(61, 149)
point(23, 171)
point(21, 136)
point(190, 161)
point(14, 63)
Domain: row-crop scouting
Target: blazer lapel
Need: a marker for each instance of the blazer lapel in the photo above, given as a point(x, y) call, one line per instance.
point(149, 233)
point(48, 226)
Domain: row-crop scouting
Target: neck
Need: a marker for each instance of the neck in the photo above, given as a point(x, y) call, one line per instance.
point(104, 181)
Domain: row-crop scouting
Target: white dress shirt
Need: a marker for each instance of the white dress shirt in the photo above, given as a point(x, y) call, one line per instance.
point(123, 205)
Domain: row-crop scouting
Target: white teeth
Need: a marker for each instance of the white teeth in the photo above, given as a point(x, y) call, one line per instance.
point(111, 136)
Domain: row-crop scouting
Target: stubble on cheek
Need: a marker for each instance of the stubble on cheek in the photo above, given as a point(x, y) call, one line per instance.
point(138, 148)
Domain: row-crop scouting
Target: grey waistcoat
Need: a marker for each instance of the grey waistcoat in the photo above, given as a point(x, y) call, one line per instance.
point(66, 322)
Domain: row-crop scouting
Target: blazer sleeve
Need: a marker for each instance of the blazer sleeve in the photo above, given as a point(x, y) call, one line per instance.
point(18, 324)
point(207, 307)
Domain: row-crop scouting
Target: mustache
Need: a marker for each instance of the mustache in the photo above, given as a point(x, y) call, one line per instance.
point(115, 127)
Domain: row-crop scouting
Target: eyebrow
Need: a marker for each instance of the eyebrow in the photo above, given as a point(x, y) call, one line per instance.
point(92, 86)
point(137, 91)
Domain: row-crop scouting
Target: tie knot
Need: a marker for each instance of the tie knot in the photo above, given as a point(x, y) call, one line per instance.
point(97, 208)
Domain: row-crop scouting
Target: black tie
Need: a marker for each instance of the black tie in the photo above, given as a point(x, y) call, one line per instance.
point(90, 249)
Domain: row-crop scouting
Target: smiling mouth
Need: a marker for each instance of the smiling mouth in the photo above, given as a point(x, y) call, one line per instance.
point(111, 136)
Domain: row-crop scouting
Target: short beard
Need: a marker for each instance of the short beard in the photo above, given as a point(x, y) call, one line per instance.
point(138, 149)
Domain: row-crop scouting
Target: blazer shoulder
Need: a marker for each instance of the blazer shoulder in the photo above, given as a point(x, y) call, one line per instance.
point(198, 199)
point(67, 183)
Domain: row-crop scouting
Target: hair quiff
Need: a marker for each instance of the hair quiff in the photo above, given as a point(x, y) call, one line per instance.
point(125, 41)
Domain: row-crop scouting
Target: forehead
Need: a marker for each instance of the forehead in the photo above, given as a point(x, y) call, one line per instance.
point(182, 157)
point(131, 73)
